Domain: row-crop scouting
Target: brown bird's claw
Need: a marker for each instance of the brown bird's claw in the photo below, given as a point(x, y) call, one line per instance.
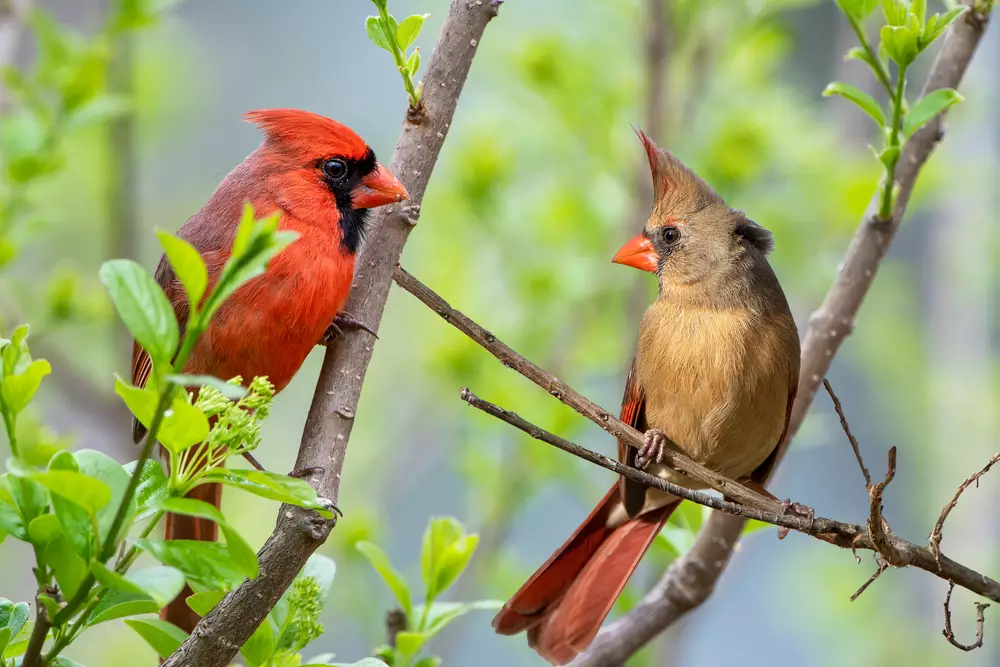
point(340, 322)
point(796, 509)
point(653, 450)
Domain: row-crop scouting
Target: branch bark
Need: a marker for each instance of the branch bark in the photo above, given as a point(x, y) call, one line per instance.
point(298, 532)
point(828, 327)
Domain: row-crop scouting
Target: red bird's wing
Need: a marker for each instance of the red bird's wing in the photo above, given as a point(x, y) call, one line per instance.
point(633, 413)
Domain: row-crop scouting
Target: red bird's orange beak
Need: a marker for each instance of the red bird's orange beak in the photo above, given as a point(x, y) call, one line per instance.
point(639, 253)
point(378, 189)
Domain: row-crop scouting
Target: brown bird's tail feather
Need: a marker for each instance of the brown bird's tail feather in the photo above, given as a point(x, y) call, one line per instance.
point(563, 605)
point(180, 527)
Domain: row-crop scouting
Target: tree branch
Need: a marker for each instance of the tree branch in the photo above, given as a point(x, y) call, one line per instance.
point(299, 532)
point(693, 578)
point(750, 504)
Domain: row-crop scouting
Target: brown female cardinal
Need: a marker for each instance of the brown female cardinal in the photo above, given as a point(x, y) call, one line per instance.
point(322, 178)
point(714, 377)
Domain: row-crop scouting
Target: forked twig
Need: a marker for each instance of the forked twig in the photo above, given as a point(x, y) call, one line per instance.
point(949, 634)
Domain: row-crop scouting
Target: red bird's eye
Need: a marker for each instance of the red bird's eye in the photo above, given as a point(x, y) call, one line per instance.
point(335, 169)
point(671, 235)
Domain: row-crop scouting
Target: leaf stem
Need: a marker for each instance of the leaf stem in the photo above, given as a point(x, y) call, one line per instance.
point(880, 72)
point(885, 211)
point(398, 56)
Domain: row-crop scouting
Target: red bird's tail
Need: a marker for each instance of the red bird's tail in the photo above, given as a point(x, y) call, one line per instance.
point(563, 605)
point(179, 527)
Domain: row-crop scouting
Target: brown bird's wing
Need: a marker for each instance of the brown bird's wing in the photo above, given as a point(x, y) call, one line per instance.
point(633, 413)
point(764, 470)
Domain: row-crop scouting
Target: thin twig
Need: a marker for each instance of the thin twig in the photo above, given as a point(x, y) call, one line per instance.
point(298, 533)
point(980, 623)
point(844, 535)
point(847, 431)
point(883, 566)
point(878, 527)
point(935, 537)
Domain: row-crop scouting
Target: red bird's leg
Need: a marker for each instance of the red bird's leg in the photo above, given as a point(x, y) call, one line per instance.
point(299, 474)
point(653, 450)
point(787, 506)
point(340, 322)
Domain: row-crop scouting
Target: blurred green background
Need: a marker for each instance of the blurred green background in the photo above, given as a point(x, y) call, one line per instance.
point(540, 181)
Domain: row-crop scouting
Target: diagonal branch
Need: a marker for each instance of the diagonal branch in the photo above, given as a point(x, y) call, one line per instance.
point(298, 533)
point(828, 328)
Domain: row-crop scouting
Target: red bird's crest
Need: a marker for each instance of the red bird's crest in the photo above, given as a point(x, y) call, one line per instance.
point(308, 133)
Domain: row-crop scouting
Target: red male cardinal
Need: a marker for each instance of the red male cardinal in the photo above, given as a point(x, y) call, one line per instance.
point(322, 178)
point(714, 377)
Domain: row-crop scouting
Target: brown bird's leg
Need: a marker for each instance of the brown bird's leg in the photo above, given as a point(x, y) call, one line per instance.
point(787, 506)
point(654, 446)
point(340, 322)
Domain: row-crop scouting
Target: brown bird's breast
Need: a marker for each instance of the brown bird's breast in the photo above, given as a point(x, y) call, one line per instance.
point(717, 383)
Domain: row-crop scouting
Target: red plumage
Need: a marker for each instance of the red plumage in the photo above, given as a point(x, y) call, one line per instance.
point(321, 178)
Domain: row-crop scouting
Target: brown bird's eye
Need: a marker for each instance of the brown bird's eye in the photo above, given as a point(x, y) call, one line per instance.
point(335, 169)
point(670, 235)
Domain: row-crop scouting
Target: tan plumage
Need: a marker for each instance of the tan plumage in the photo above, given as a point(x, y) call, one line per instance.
point(714, 376)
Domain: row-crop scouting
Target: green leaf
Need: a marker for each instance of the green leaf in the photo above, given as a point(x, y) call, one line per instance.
point(273, 486)
point(409, 29)
point(445, 554)
point(5, 636)
point(13, 616)
point(187, 264)
point(227, 389)
point(90, 494)
point(452, 563)
point(204, 602)
point(19, 643)
point(115, 604)
point(392, 578)
point(77, 524)
point(373, 26)
point(30, 497)
point(70, 568)
point(18, 390)
point(63, 661)
point(927, 107)
point(159, 584)
point(889, 156)
point(366, 662)
point(413, 62)
point(859, 97)
point(859, 10)
point(142, 306)
point(895, 12)
point(206, 564)
point(900, 44)
point(240, 554)
point(164, 637)
point(408, 644)
point(443, 613)
point(429, 661)
point(44, 529)
point(98, 465)
point(260, 646)
point(151, 490)
point(183, 425)
point(937, 25)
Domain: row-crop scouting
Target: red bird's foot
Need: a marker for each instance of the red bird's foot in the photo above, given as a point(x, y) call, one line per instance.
point(796, 509)
point(340, 322)
point(300, 473)
point(653, 450)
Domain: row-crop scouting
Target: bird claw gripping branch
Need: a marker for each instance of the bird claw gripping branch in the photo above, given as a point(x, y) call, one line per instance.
point(340, 322)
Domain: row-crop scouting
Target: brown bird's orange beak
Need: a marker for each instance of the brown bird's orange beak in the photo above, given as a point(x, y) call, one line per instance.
point(378, 189)
point(639, 253)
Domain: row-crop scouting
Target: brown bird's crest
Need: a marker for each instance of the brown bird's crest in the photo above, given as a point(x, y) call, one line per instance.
point(676, 188)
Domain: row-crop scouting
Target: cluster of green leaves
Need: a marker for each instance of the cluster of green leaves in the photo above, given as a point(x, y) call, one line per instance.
point(76, 508)
point(396, 37)
point(446, 552)
point(908, 31)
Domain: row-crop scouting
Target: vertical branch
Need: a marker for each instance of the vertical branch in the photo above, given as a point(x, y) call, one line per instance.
point(298, 532)
point(122, 167)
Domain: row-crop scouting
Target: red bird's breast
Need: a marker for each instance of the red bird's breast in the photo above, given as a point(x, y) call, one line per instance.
point(270, 324)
